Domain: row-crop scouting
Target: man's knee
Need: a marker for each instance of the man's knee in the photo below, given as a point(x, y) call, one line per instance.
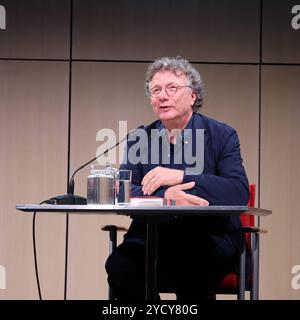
point(110, 263)
point(114, 267)
point(122, 268)
point(125, 276)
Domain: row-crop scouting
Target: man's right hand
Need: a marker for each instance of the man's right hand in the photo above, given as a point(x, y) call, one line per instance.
point(182, 198)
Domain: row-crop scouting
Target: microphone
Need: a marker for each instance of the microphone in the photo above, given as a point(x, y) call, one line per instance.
point(70, 198)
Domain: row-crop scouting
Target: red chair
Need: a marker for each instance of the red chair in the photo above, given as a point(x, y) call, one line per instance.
point(233, 283)
point(239, 282)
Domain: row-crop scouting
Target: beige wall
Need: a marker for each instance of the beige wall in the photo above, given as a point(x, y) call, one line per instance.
point(280, 180)
point(33, 166)
point(222, 40)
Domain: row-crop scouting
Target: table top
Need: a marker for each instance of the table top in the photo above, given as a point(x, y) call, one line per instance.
point(134, 210)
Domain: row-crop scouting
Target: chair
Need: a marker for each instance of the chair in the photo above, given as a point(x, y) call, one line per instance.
point(234, 283)
point(238, 282)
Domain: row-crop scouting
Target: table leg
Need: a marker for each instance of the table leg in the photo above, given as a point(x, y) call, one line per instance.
point(151, 261)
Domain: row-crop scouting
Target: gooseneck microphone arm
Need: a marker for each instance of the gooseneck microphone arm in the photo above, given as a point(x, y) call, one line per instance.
point(70, 198)
point(71, 182)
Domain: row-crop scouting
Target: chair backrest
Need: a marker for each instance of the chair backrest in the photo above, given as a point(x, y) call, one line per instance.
point(246, 219)
point(230, 283)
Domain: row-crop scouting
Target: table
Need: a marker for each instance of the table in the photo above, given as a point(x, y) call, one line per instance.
point(151, 214)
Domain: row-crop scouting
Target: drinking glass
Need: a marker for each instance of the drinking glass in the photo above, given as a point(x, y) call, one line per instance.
point(123, 186)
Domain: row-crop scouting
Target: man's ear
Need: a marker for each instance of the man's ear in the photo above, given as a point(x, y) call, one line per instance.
point(194, 97)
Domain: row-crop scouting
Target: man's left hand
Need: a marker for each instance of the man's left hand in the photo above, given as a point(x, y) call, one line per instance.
point(161, 176)
point(182, 198)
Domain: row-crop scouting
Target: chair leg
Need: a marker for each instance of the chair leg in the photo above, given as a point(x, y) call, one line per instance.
point(255, 254)
point(112, 247)
point(242, 276)
point(112, 240)
point(112, 229)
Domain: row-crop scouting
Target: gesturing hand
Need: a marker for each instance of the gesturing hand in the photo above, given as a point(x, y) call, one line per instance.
point(184, 199)
point(161, 176)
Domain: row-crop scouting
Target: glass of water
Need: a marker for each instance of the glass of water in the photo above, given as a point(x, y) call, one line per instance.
point(123, 186)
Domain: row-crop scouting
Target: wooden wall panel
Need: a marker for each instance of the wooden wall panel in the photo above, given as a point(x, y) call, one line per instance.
point(36, 29)
point(199, 30)
point(281, 42)
point(33, 140)
point(280, 178)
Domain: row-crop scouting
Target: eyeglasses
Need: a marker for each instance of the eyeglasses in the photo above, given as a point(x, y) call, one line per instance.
point(170, 90)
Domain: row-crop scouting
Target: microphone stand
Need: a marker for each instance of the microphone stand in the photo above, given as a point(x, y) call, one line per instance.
point(70, 198)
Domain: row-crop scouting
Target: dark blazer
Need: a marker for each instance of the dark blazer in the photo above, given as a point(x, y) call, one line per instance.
point(222, 182)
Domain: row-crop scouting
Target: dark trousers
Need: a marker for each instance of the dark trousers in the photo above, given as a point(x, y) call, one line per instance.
point(189, 264)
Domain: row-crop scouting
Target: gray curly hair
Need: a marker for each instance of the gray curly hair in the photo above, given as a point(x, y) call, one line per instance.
point(177, 64)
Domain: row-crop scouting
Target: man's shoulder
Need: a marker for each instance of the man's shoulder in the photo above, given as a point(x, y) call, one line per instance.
point(214, 125)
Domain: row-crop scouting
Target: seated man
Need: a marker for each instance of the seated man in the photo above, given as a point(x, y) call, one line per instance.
point(194, 253)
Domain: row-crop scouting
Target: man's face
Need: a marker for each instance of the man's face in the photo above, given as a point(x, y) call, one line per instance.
point(173, 107)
